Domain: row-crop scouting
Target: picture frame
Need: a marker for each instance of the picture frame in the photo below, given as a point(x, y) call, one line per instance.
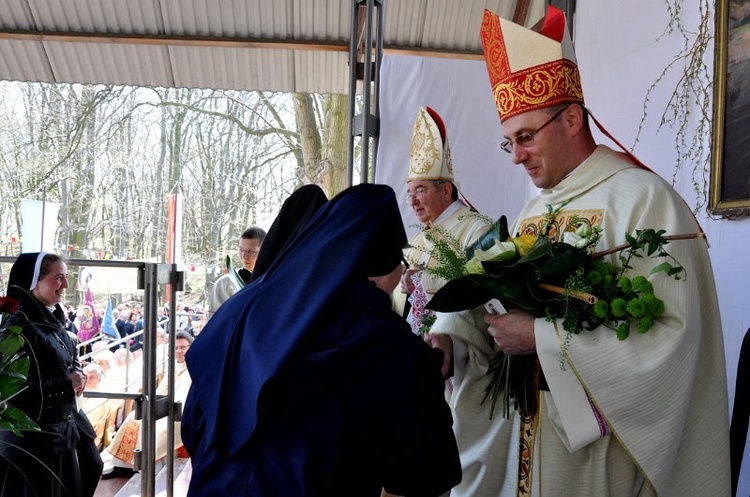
point(730, 146)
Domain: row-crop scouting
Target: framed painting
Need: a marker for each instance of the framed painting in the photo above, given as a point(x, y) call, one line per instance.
point(730, 145)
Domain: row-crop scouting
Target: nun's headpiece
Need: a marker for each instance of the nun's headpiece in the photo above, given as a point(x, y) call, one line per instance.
point(24, 275)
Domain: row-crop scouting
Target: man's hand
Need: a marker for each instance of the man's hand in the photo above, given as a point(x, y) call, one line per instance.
point(79, 382)
point(513, 332)
point(445, 344)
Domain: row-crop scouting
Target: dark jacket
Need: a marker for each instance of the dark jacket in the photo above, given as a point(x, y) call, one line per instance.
point(48, 399)
point(332, 395)
point(49, 396)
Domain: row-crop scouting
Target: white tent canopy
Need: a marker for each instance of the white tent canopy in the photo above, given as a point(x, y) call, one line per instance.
point(270, 45)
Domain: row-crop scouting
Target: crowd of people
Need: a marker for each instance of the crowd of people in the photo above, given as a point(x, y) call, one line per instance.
point(322, 371)
point(119, 367)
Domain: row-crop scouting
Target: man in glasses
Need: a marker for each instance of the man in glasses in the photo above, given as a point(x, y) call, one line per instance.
point(433, 196)
point(616, 417)
point(226, 286)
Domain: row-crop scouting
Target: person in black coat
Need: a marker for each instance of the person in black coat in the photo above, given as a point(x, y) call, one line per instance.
point(61, 459)
point(306, 383)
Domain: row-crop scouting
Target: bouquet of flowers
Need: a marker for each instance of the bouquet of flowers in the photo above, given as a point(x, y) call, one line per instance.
point(14, 368)
point(554, 280)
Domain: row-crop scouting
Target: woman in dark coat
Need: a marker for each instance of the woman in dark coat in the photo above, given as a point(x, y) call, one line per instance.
point(306, 383)
point(61, 459)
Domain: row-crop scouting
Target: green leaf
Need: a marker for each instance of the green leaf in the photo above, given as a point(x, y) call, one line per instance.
point(10, 383)
point(10, 344)
point(562, 258)
point(20, 366)
point(498, 231)
point(466, 292)
point(14, 368)
point(664, 266)
point(16, 420)
point(236, 276)
point(676, 270)
point(631, 240)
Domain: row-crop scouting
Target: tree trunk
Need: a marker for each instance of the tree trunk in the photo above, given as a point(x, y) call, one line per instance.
point(309, 137)
point(335, 135)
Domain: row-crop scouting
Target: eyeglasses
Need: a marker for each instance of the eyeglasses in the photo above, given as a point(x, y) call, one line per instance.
point(404, 265)
point(420, 192)
point(247, 252)
point(527, 139)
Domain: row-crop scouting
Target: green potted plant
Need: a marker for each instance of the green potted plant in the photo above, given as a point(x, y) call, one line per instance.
point(14, 368)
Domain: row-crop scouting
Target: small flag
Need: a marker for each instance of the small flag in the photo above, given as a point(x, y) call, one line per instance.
point(108, 326)
point(89, 324)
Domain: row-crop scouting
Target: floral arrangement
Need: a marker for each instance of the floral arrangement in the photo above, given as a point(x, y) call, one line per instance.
point(555, 280)
point(14, 368)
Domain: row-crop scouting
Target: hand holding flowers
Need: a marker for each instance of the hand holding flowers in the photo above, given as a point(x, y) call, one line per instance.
point(513, 332)
point(554, 280)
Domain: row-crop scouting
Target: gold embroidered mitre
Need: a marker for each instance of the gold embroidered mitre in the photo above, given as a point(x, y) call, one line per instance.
point(530, 68)
point(430, 157)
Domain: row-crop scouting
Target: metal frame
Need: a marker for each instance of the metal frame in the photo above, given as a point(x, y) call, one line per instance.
point(365, 125)
point(153, 276)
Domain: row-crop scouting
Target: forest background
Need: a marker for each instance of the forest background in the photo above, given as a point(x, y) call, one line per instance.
point(111, 155)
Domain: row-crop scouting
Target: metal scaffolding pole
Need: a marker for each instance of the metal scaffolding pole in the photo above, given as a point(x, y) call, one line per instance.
point(153, 408)
point(365, 125)
point(144, 461)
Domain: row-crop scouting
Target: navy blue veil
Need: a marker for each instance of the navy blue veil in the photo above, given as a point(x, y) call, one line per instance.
point(251, 337)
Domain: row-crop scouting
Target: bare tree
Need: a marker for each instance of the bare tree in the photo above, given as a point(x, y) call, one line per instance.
point(110, 155)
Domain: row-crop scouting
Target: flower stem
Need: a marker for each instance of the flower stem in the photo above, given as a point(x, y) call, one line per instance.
point(576, 294)
point(624, 246)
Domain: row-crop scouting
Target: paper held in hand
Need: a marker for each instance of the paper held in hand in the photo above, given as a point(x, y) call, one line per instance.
point(495, 307)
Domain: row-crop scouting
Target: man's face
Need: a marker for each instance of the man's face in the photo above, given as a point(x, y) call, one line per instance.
point(92, 381)
point(428, 200)
point(546, 157)
point(248, 251)
point(181, 346)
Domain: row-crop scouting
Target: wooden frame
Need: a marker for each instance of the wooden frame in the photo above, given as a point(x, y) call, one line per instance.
point(730, 144)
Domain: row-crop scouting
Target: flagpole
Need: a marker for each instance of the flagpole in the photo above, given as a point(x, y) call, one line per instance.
point(174, 219)
point(44, 204)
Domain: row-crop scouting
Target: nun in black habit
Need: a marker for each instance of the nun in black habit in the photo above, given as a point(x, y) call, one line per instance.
point(61, 459)
point(293, 216)
point(306, 383)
